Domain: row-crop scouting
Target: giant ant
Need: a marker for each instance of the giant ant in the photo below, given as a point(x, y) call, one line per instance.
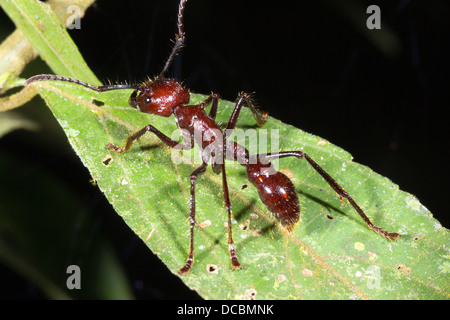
point(166, 96)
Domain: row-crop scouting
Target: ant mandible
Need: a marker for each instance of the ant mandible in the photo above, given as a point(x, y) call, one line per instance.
point(165, 96)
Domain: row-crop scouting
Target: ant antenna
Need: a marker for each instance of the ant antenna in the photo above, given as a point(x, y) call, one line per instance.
point(179, 38)
point(44, 77)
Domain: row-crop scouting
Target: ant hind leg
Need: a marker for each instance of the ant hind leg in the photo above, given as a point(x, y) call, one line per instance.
point(340, 191)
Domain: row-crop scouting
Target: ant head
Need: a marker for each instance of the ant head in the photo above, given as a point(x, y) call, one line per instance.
point(159, 97)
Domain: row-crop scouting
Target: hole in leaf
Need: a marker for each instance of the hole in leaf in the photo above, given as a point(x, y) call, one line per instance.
point(212, 268)
point(245, 225)
point(107, 160)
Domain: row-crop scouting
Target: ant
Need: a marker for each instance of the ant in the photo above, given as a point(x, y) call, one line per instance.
point(166, 96)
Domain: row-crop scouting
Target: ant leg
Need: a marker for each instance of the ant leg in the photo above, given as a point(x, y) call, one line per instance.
point(261, 117)
point(231, 249)
point(215, 99)
point(149, 128)
point(244, 99)
point(340, 191)
point(190, 258)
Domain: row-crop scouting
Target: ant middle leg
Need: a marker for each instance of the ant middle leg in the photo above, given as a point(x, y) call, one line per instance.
point(190, 259)
point(234, 259)
point(340, 191)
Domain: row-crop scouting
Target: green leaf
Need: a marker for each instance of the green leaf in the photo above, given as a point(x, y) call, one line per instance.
point(331, 254)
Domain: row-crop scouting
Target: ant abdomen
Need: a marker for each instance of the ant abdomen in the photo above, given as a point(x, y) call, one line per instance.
point(276, 191)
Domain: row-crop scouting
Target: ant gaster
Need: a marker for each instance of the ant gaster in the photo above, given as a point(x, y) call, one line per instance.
point(164, 97)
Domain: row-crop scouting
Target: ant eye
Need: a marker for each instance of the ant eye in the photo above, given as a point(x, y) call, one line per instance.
point(147, 100)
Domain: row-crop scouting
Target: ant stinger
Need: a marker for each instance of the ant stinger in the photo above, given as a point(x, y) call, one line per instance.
point(165, 96)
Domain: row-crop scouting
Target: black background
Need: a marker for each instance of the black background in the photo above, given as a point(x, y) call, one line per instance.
point(309, 67)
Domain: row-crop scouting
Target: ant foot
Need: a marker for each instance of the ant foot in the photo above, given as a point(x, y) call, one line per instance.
point(114, 148)
point(235, 264)
point(184, 270)
point(389, 235)
point(188, 264)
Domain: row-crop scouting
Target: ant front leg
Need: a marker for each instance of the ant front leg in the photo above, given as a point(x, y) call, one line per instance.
point(340, 191)
point(149, 128)
point(174, 144)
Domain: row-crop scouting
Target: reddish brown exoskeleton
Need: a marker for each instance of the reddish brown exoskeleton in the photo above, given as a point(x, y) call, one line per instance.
point(165, 97)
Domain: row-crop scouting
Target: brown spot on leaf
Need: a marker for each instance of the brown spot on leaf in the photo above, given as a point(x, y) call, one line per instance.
point(287, 172)
point(307, 273)
point(403, 268)
point(204, 224)
point(250, 294)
